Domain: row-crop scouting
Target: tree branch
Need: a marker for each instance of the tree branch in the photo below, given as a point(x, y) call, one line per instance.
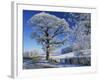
point(59, 42)
point(57, 32)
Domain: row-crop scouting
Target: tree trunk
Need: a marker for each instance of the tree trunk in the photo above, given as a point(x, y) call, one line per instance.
point(47, 44)
point(47, 55)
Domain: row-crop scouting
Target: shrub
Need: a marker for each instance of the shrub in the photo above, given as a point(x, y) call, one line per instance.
point(53, 61)
point(36, 59)
point(85, 61)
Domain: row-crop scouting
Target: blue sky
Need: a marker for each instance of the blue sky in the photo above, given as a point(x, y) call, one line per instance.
point(28, 43)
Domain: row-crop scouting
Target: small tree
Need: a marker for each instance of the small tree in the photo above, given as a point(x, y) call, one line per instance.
point(49, 31)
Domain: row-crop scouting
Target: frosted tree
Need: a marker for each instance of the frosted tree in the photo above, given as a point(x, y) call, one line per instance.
point(49, 31)
point(81, 29)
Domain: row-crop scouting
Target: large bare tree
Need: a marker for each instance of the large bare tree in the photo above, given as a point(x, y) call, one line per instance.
point(49, 31)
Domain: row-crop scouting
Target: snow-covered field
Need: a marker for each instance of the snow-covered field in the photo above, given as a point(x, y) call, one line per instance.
point(62, 60)
point(84, 53)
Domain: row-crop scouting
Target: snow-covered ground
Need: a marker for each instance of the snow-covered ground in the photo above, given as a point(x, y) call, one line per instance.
point(79, 58)
point(30, 65)
point(83, 53)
